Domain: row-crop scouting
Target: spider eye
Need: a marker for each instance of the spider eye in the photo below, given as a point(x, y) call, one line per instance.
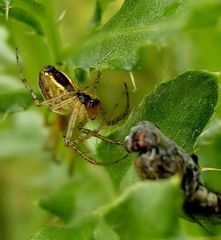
point(49, 68)
point(93, 102)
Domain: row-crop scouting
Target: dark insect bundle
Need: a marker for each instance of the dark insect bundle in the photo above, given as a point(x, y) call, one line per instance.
point(159, 157)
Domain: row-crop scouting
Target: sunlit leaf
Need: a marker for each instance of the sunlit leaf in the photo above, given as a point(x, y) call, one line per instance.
point(84, 231)
point(148, 210)
point(24, 16)
point(104, 231)
point(136, 23)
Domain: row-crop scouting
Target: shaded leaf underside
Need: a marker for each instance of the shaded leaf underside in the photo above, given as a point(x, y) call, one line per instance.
point(137, 23)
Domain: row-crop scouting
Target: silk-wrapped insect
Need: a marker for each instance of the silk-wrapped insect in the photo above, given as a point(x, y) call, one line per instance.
point(159, 157)
point(199, 199)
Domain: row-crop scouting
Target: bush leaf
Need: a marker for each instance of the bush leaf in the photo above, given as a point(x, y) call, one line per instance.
point(70, 202)
point(181, 108)
point(148, 210)
point(23, 15)
point(82, 231)
point(15, 101)
point(136, 23)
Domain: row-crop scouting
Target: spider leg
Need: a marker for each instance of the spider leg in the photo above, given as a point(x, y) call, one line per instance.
point(126, 111)
point(51, 101)
point(95, 134)
point(115, 120)
point(53, 140)
point(71, 124)
point(62, 103)
point(60, 100)
point(19, 65)
point(90, 160)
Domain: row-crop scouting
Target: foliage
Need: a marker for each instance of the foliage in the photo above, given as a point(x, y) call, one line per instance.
point(157, 40)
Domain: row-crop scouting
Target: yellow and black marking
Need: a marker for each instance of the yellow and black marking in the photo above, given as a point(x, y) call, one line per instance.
point(63, 96)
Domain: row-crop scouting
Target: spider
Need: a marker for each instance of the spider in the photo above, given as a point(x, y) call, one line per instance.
point(64, 97)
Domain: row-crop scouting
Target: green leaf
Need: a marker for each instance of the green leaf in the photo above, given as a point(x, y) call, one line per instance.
point(209, 145)
point(203, 33)
point(98, 11)
point(14, 102)
point(83, 231)
point(23, 16)
point(104, 3)
point(181, 108)
point(81, 196)
point(148, 210)
point(97, 16)
point(40, 18)
point(104, 231)
point(54, 233)
point(204, 15)
point(61, 203)
point(137, 23)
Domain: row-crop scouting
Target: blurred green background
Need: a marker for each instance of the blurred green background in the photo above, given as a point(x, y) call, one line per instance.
point(27, 172)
